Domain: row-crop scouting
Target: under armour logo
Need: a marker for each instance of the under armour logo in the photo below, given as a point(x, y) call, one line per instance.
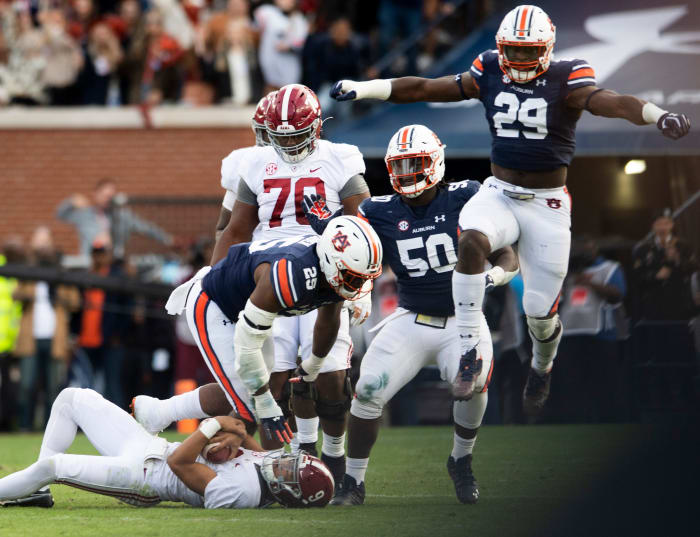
point(340, 241)
point(540, 82)
point(226, 321)
point(440, 218)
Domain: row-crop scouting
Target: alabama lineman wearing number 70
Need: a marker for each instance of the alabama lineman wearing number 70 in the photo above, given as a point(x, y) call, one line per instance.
point(532, 103)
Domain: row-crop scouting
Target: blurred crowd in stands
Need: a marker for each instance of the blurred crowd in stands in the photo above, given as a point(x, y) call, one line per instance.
point(627, 348)
point(199, 52)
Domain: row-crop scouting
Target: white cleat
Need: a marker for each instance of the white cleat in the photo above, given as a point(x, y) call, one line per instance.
point(147, 411)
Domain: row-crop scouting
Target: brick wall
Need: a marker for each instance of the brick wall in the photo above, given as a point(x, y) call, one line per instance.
point(39, 168)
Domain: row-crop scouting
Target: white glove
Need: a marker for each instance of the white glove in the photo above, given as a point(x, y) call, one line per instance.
point(361, 308)
point(309, 369)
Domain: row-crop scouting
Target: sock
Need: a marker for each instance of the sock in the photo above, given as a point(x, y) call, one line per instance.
point(333, 446)
point(462, 446)
point(307, 430)
point(357, 468)
point(468, 293)
point(544, 350)
point(184, 406)
point(294, 445)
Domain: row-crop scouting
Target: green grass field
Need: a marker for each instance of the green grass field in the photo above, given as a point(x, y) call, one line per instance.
point(529, 476)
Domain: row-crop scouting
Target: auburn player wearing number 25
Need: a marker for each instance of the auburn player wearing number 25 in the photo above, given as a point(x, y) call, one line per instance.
point(532, 103)
point(418, 230)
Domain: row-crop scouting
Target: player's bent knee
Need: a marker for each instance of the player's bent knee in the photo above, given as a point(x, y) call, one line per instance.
point(543, 329)
point(332, 410)
point(537, 305)
point(366, 410)
point(334, 404)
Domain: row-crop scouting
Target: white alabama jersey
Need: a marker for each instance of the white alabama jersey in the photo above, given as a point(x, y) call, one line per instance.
point(280, 186)
point(231, 173)
point(236, 485)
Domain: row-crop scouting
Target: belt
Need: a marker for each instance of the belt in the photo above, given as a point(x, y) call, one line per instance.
point(522, 196)
point(431, 320)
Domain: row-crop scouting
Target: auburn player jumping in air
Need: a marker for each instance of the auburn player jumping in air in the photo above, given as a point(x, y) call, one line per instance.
point(532, 103)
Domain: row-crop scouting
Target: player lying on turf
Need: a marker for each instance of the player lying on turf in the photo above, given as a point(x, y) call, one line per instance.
point(418, 230)
point(231, 310)
point(532, 102)
point(143, 470)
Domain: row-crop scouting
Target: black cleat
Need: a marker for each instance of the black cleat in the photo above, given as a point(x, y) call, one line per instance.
point(309, 447)
point(337, 467)
point(536, 392)
point(349, 492)
point(36, 499)
point(470, 365)
point(460, 471)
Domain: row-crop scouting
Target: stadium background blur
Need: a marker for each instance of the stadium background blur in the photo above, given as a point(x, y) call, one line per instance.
point(153, 94)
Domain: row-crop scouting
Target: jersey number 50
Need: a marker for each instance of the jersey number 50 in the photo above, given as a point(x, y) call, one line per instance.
point(418, 266)
point(517, 111)
point(284, 184)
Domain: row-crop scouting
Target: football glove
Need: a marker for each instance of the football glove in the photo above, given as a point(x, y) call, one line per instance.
point(317, 212)
point(674, 125)
point(359, 309)
point(308, 370)
point(341, 91)
point(271, 418)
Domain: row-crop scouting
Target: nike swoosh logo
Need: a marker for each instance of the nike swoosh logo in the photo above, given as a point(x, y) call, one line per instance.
point(312, 171)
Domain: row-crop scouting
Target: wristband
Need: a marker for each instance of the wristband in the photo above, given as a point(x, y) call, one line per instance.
point(209, 427)
point(500, 276)
point(651, 113)
point(374, 89)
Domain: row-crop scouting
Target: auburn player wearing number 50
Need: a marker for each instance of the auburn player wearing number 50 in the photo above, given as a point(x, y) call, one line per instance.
point(270, 182)
point(418, 230)
point(532, 103)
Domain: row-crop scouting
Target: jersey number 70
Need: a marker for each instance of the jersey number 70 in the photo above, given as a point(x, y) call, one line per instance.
point(284, 184)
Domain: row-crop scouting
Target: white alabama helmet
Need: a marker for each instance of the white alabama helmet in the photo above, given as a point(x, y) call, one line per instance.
point(415, 159)
point(525, 26)
point(350, 255)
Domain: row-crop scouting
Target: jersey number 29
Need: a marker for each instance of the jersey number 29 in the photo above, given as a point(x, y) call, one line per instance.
point(517, 111)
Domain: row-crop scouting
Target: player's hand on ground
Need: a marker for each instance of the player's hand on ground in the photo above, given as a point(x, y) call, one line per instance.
point(344, 90)
point(674, 125)
point(271, 418)
point(317, 212)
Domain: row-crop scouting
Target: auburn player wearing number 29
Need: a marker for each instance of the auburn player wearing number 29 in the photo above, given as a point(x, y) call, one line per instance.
point(532, 103)
point(418, 230)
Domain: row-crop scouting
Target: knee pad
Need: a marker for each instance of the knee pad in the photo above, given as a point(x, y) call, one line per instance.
point(536, 304)
point(305, 390)
point(335, 410)
point(366, 410)
point(368, 403)
point(544, 330)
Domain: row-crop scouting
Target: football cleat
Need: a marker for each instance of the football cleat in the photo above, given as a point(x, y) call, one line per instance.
point(460, 471)
point(146, 411)
point(336, 465)
point(470, 365)
point(36, 499)
point(536, 392)
point(309, 447)
point(349, 492)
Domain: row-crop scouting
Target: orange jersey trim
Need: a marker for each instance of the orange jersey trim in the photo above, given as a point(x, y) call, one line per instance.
point(581, 73)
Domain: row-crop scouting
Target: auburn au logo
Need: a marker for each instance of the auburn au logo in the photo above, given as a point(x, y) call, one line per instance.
point(554, 203)
point(340, 241)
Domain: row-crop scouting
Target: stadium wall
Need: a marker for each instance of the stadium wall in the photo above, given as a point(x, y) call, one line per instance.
point(45, 163)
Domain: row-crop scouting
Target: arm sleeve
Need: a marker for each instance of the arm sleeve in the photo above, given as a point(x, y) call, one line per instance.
point(245, 194)
point(355, 185)
point(229, 200)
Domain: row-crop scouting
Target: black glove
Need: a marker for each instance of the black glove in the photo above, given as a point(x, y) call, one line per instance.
point(317, 212)
point(278, 428)
point(674, 125)
point(336, 92)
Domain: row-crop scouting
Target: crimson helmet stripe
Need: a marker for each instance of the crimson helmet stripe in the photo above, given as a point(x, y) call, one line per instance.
point(285, 102)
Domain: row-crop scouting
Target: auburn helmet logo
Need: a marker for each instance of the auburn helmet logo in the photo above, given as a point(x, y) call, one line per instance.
point(554, 203)
point(340, 241)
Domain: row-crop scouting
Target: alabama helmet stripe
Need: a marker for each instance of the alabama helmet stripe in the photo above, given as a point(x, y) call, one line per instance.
point(285, 103)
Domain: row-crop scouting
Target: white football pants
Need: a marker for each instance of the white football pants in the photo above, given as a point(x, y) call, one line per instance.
point(121, 441)
point(542, 228)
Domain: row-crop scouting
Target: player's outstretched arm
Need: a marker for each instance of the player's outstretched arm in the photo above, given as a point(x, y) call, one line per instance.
point(505, 267)
point(244, 218)
point(408, 89)
point(607, 103)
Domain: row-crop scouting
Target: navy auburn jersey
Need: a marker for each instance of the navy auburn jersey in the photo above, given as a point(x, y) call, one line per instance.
point(532, 129)
point(420, 244)
point(294, 273)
